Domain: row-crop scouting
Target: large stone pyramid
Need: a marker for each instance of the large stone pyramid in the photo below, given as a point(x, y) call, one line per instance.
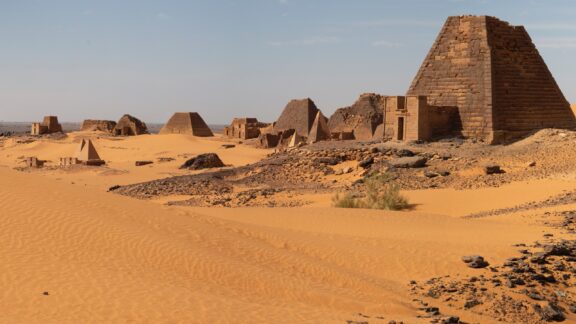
point(190, 123)
point(492, 72)
point(297, 115)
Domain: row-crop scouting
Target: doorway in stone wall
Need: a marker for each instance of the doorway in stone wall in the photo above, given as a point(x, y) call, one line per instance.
point(400, 132)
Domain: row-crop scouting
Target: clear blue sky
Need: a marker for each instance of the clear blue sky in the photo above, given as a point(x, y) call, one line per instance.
point(222, 58)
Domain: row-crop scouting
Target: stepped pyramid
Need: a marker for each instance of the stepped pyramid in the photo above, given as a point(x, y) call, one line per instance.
point(187, 123)
point(319, 131)
point(492, 72)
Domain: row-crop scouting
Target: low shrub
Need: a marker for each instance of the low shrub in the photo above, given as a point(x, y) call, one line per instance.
point(381, 193)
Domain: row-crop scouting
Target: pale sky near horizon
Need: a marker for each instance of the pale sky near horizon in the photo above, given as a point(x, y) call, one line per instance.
point(224, 58)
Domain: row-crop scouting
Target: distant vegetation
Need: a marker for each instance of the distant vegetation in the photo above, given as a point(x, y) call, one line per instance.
point(381, 193)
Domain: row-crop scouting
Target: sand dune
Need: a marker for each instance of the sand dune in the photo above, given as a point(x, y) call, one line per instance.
point(121, 154)
point(107, 258)
point(102, 257)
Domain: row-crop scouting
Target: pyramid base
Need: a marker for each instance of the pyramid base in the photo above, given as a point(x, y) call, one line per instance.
point(94, 162)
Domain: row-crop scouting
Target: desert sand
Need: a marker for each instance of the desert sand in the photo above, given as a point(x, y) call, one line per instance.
point(73, 253)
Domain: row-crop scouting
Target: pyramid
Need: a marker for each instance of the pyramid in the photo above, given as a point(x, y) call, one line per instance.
point(298, 115)
point(187, 123)
point(361, 118)
point(295, 140)
point(493, 74)
point(87, 151)
point(80, 148)
point(319, 131)
point(130, 126)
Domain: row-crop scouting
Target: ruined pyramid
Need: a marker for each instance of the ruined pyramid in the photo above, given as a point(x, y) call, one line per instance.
point(360, 119)
point(492, 72)
point(190, 123)
point(130, 126)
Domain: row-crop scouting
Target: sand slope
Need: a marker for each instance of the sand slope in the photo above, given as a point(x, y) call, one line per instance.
point(106, 258)
point(121, 153)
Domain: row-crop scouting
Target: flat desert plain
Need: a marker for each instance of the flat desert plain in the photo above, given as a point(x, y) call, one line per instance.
point(72, 252)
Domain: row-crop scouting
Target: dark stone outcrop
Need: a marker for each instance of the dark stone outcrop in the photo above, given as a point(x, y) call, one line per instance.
point(409, 162)
point(203, 161)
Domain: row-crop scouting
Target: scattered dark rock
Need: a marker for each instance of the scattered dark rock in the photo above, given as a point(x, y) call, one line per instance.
point(539, 258)
point(141, 163)
point(451, 320)
point(445, 156)
point(366, 163)
point(432, 310)
point(550, 312)
point(492, 169)
point(560, 249)
point(203, 161)
point(535, 295)
point(328, 160)
point(471, 303)
point(475, 261)
point(409, 162)
point(550, 284)
point(404, 153)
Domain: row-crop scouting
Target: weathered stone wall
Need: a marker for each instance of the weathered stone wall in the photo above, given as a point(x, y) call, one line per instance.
point(244, 128)
point(526, 96)
point(98, 125)
point(199, 126)
point(392, 104)
point(443, 121)
point(268, 140)
point(52, 123)
point(417, 123)
point(48, 126)
point(38, 129)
